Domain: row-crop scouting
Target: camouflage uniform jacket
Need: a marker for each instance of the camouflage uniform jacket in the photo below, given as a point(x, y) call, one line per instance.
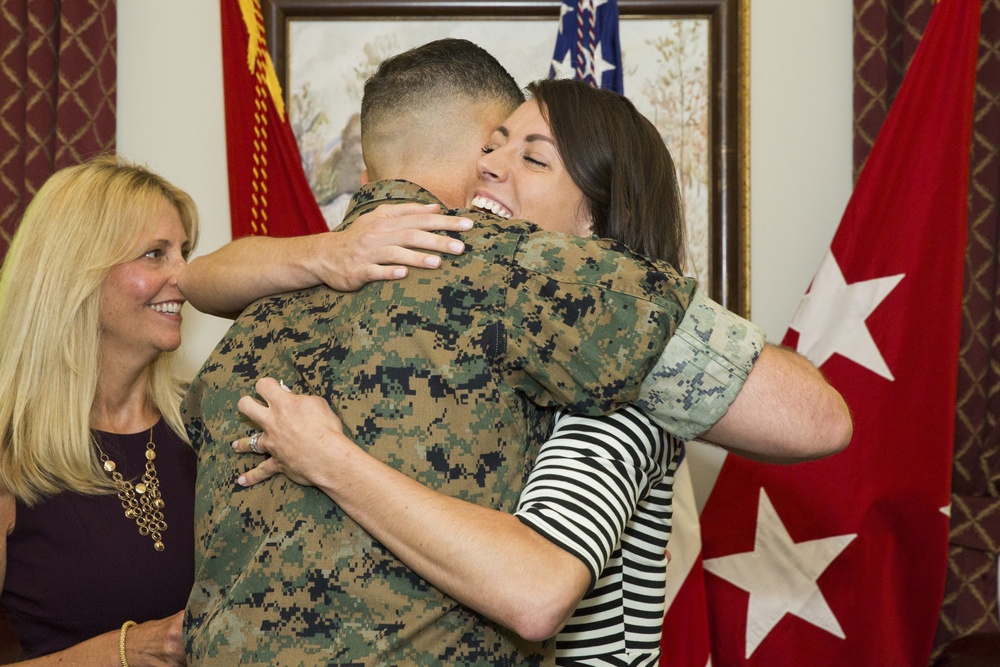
point(450, 376)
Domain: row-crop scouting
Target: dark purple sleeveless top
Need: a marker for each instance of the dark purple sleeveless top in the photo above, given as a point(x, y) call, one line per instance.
point(77, 568)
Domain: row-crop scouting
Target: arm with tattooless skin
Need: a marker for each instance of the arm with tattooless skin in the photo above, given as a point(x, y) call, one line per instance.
point(379, 245)
point(462, 548)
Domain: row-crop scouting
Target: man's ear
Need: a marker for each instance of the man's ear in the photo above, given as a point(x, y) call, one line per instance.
point(364, 177)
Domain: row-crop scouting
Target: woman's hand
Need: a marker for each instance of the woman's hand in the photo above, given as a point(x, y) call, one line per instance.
point(380, 244)
point(156, 643)
point(302, 435)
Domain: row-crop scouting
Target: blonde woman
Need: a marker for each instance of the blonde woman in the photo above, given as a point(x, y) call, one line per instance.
point(96, 475)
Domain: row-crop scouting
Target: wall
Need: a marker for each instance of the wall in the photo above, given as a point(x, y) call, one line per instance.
point(170, 116)
point(800, 147)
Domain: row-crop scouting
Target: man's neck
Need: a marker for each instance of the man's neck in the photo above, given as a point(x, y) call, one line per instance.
point(451, 194)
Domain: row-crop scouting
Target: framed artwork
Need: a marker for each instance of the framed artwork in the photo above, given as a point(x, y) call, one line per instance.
point(685, 68)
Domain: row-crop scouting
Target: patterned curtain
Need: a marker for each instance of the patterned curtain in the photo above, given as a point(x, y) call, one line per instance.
point(57, 94)
point(885, 35)
point(970, 604)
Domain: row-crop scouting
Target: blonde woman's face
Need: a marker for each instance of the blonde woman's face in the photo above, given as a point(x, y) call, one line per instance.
point(140, 301)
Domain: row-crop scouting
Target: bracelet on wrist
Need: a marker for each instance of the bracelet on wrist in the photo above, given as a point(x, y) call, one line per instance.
point(121, 641)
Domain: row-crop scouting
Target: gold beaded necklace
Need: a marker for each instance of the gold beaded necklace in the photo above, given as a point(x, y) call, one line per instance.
point(142, 501)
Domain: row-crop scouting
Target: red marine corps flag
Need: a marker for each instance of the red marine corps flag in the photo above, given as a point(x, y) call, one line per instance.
point(842, 561)
point(268, 191)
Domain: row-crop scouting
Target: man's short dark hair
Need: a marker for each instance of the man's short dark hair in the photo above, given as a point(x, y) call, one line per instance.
point(443, 68)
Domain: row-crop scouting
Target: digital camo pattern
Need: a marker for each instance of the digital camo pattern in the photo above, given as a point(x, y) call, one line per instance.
point(701, 370)
point(449, 376)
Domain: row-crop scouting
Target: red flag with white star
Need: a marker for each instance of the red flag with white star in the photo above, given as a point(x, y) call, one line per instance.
point(685, 638)
point(842, 561)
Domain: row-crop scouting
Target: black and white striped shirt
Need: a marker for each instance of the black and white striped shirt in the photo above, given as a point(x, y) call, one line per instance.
point(602, 489)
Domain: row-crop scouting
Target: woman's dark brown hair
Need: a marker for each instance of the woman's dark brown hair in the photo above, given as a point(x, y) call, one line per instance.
point(619, 161)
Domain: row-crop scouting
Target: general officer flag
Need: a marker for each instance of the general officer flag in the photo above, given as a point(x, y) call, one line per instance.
point(842, 561)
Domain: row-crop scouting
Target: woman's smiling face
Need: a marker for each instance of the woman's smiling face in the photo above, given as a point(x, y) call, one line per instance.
point(140, 300)
point(522, 175)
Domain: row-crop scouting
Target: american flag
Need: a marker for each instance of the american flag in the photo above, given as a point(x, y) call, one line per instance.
point(587, 47)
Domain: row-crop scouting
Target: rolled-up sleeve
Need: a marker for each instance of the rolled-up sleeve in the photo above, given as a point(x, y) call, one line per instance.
point(701, 370)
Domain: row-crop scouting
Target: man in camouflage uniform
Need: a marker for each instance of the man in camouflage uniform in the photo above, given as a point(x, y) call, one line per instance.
point(450, 376)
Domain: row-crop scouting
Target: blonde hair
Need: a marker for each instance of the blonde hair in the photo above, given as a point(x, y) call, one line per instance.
point(83, 221)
